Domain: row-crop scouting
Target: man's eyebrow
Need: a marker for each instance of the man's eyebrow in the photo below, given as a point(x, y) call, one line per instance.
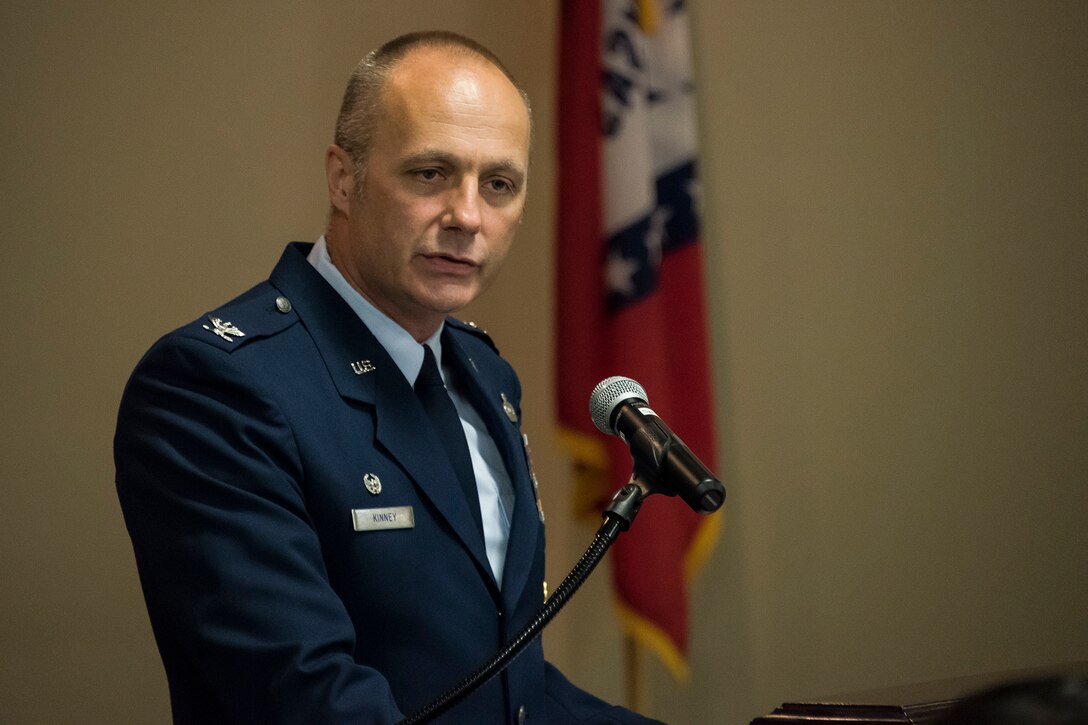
point(444, 158)
point(508, 166)
point(429, 156)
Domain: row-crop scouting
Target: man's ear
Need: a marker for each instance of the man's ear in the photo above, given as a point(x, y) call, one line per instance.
point(340, 176)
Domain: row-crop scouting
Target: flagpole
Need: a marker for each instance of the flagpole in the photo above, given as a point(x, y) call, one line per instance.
point(632, 673)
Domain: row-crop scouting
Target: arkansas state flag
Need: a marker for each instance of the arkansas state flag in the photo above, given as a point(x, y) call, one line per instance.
point(630, 284)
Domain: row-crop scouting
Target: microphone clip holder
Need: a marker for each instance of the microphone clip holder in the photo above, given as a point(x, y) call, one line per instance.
point(627, 501)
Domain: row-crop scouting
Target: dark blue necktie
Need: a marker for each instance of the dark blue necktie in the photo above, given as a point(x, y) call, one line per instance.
point(447, 424)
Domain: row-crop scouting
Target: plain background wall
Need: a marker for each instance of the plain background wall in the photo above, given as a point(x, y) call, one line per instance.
point(896, 226)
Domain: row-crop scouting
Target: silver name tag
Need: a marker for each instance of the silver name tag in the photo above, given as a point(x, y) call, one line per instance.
point(395, 517)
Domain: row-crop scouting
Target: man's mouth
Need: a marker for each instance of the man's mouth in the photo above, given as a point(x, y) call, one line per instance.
point(450, 263)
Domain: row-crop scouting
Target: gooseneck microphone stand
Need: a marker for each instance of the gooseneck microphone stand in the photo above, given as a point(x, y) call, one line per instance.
point(618, 517)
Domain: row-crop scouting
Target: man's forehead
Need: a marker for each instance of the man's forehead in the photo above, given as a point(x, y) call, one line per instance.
point(426, 66)
point(445, 92)
point(441, 68)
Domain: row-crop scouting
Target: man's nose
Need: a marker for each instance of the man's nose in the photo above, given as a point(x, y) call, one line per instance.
point(464, 207)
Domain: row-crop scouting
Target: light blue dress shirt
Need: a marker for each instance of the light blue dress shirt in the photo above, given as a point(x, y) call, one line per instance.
point(492, 479)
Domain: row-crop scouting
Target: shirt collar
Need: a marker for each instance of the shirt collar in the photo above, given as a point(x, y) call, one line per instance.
point(398, 342)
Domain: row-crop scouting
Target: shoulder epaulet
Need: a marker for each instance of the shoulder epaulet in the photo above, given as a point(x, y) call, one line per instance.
point(259, 313)
point(473, 329)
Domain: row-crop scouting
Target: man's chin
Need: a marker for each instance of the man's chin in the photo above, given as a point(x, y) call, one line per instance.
point(446, 301)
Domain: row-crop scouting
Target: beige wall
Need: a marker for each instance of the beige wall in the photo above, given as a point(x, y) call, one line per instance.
point(897, 218)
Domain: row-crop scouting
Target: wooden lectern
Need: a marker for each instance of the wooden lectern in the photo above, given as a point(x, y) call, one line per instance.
point(921, 703)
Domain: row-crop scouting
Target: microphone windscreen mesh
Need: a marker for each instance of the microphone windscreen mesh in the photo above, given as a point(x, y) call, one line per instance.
point(609, 393)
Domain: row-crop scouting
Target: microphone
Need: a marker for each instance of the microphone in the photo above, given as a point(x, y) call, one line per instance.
point(619, 406)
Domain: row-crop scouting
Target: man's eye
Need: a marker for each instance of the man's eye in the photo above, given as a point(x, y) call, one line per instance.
point(428, 174)
point(501, 185)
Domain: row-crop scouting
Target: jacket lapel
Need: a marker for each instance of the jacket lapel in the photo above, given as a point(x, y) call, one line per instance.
point(486, 398)
point(362, 371)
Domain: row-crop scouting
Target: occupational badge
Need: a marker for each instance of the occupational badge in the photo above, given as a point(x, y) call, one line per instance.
point(508, 408)
point(532, 477)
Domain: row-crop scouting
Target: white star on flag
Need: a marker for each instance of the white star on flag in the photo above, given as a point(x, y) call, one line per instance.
point(619, 273)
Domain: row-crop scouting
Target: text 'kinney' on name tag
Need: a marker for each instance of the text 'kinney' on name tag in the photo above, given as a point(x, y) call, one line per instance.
point(394, 517)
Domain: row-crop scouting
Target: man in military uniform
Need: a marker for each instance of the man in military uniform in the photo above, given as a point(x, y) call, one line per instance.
point(325, 479)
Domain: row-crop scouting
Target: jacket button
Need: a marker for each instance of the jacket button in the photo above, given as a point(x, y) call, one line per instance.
point(283, 304)
point(521, 715)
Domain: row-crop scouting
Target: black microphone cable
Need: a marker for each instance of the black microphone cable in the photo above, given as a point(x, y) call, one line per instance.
point(609, 531)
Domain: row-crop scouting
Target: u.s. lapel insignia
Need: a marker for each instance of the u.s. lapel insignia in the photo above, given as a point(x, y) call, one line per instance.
point(362, 366)
point(223, 329)
point(372, 483)
point(508, 409)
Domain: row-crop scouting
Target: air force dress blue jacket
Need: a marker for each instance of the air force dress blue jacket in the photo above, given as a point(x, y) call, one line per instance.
point(248, 443)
